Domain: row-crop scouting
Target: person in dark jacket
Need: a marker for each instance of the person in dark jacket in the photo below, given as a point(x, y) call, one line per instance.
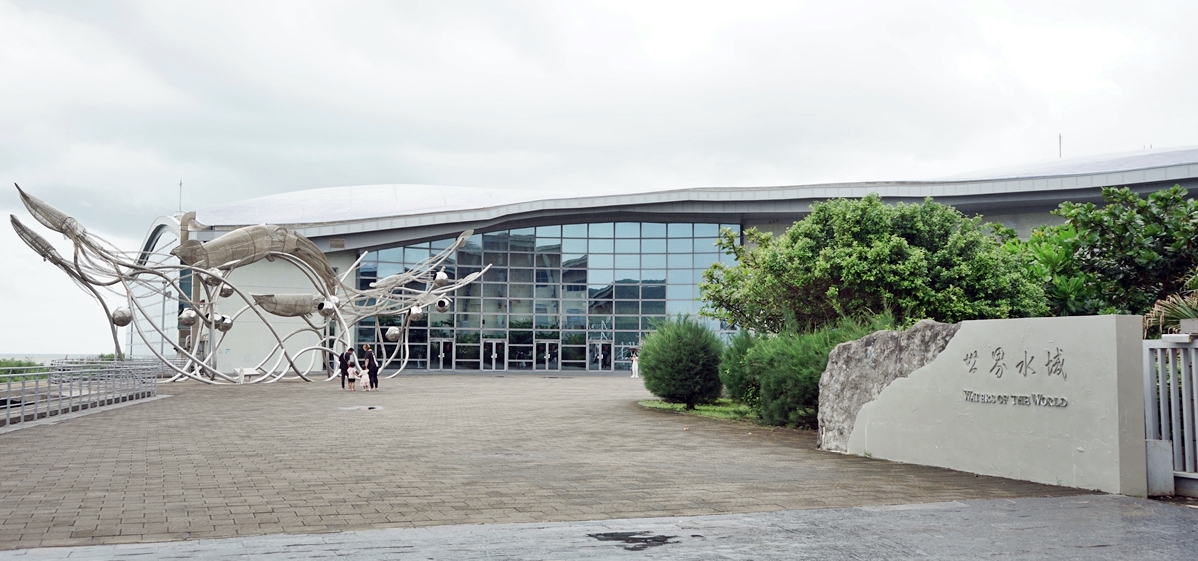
point(345, 362)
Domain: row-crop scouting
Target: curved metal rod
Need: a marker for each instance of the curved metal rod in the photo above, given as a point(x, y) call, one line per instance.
point(283, 373)
point(137, 326)
point(279, 346)
point(263, 318)
point(402, 343)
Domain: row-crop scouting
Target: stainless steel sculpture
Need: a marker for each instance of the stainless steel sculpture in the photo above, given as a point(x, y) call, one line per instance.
point(99, 267)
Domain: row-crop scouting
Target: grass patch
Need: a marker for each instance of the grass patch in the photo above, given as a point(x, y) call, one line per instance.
point(723, 408)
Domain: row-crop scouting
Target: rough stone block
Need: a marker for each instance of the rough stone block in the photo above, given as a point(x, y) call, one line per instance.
point(859, 370)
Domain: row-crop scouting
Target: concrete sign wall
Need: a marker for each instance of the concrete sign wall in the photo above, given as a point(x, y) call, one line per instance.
point(1051, 400)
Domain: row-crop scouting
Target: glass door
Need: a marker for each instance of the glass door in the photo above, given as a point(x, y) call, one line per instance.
point(599, 357)
point(494, 355)
point(440, 354)
point(548, 355)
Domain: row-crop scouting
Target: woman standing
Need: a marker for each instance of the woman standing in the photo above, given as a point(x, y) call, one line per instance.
point(372, 369)
point(636, 364)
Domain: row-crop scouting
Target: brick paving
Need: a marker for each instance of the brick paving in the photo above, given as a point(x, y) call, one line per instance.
point(215, 461)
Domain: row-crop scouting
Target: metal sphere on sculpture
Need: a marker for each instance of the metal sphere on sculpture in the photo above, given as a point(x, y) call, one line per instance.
point(443, 305)
point(417, 313)
point(213, 277)
point(326, 309)
point(121, 317)
point(226, 290)
point(392, 333)
point(188, 317)
point(222, 323)
point(441, 279)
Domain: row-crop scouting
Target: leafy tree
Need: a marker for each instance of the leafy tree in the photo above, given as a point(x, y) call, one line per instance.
point(853, 256)
point(1131, 252)
point(680, 362)
point(1070, 290)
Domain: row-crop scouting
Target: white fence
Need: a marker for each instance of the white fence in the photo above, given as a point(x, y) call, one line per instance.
point(35, 392)
point(1170, 393)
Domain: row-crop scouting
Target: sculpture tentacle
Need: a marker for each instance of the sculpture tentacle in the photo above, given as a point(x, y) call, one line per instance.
point(97, 265)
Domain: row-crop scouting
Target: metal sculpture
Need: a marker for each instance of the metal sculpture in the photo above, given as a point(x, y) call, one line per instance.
point(98, 267)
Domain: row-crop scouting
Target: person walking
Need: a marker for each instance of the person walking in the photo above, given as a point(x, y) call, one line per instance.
point(345, 362)
point(636, 364)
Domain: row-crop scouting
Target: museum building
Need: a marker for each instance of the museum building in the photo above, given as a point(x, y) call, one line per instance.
point(577, 280)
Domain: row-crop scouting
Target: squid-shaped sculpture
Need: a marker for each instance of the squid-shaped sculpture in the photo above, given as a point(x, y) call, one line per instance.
point(250, 244)
point(140, 277)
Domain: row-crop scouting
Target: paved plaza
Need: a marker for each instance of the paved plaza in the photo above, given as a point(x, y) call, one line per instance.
point(1092, 528)
point(308, 459)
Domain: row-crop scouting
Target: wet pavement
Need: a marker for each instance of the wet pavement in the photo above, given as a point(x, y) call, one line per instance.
point(1097, 527)
point(436, 451)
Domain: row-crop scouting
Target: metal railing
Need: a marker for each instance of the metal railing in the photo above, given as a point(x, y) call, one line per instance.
point(1170, 393)
point(28, 393)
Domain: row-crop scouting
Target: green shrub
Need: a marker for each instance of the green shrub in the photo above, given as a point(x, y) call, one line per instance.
point(788, 367)
point(17, 363)
point(17, 370)
point(680, 362)
point(733, 374)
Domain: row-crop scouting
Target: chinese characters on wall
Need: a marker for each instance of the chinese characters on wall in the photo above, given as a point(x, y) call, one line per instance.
point(1051, 364)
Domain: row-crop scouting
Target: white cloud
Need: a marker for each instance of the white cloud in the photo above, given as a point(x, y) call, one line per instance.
point(54, 68)
point(106, 107)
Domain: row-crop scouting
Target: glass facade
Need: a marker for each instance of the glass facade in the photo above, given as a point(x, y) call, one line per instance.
point(162, 308)
point(574, 297)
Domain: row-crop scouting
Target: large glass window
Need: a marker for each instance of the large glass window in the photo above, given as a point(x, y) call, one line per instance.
point(561, 297)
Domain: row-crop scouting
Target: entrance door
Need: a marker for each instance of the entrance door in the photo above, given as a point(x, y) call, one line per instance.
point(548, 355)
point(440, 354)
point(494, 355)
point(599, 357)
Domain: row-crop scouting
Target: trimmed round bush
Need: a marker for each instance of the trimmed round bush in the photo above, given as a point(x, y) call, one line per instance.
point(680, 362)
point(742, 386)
point(788, 368)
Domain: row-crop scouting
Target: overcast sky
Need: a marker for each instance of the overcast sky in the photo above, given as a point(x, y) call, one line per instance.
point(105, 107)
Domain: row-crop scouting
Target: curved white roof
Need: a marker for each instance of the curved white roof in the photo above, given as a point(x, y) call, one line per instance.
point(358, 202)
point(366, 208)
point(1105, 163)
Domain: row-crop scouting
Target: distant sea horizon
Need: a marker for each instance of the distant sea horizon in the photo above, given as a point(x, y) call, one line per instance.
point(44, 358)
